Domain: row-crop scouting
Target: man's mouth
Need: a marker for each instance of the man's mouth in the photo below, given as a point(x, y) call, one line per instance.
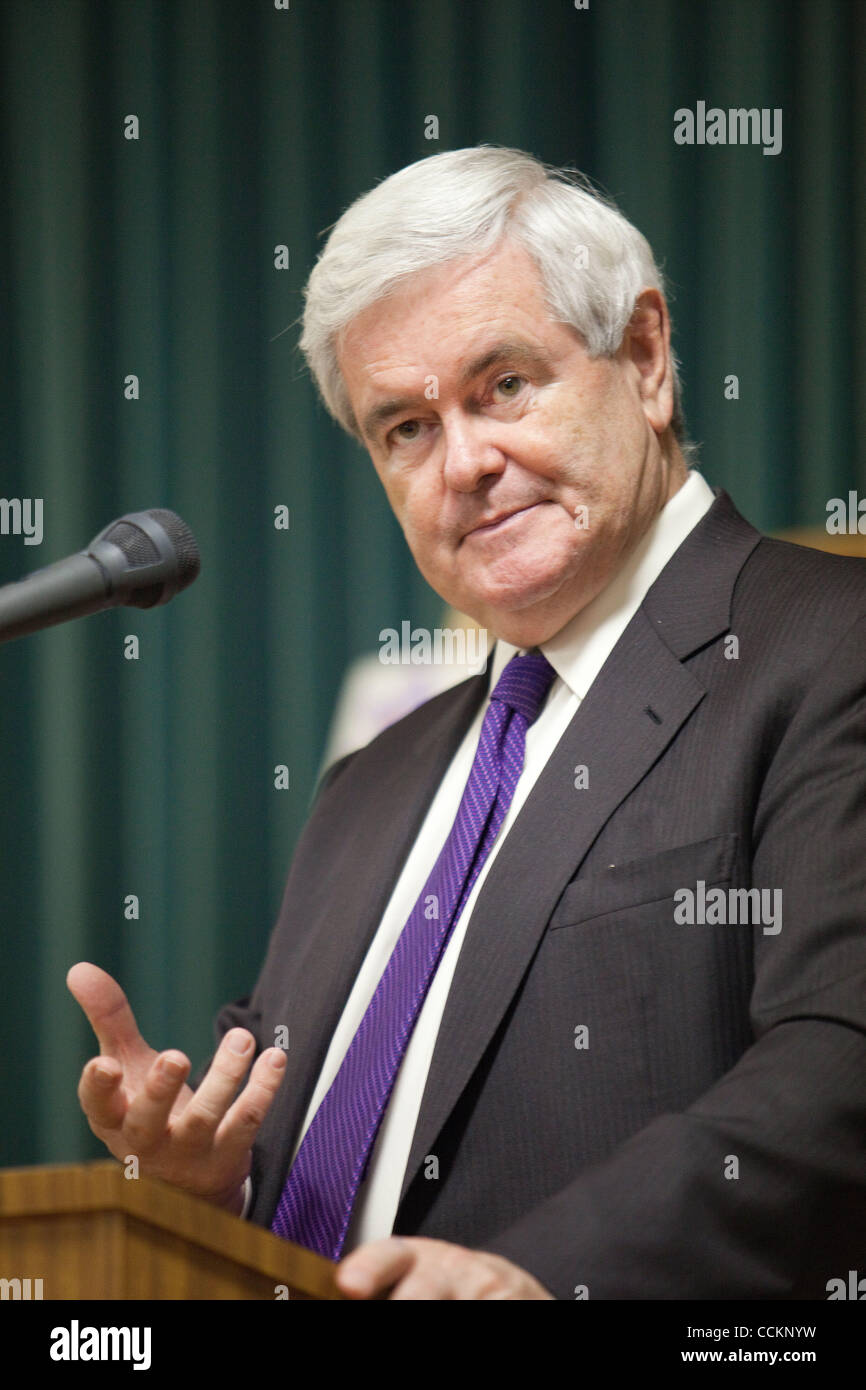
point(499, 521)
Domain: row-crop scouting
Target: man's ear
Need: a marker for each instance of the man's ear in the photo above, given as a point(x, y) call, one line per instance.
point(647, 344)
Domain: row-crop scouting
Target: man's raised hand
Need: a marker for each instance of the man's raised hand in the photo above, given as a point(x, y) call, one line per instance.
point(136, 1100)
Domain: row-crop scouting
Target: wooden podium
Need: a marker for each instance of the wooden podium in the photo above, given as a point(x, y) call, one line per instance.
point(88, 1232)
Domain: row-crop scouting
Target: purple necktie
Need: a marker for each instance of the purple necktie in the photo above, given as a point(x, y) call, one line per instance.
point(316, 1203)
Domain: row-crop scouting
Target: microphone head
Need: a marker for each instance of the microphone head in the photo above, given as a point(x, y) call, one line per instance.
point(184, 542)
point(158, 556)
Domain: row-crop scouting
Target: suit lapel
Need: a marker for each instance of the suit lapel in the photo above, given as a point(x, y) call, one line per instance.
point(631, 713)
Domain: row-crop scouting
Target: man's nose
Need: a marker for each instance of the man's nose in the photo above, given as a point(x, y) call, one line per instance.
point(471, 452)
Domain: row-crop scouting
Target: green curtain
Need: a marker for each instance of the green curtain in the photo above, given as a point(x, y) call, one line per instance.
point(155, 257)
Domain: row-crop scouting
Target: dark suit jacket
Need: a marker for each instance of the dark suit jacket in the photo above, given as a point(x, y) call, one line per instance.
point(612, 1166)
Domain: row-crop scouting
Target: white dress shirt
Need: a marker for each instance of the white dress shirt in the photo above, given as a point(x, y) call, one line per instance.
point(577, 654)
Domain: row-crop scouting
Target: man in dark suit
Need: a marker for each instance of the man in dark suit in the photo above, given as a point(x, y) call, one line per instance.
point(637, 1067)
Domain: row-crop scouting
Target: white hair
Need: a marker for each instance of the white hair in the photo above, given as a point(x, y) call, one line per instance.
point(593, 263)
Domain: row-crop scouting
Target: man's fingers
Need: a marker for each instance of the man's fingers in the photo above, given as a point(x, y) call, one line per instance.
point(417, 1267)
point(375, 1267)
point(201, 1117)
point(101, 1094)
point(244, 1119)
point(423, 1284)
point(107, 1009)
point(148, 1114)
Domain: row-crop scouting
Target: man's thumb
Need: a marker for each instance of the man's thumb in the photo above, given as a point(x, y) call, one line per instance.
point(106, 1007)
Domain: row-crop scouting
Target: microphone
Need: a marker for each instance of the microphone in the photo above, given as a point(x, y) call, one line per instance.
point(143, 559)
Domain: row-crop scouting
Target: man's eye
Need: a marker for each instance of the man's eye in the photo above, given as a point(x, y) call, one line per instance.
point(509, 386)
point(408, 430)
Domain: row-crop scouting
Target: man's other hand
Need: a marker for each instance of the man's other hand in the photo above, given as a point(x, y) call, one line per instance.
point(413, 1267)
point(136, 1100)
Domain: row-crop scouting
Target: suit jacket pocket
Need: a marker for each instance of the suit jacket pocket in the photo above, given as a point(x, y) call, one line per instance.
point(654, 878)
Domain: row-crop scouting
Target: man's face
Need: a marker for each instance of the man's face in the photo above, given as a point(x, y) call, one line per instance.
point(521, 470)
